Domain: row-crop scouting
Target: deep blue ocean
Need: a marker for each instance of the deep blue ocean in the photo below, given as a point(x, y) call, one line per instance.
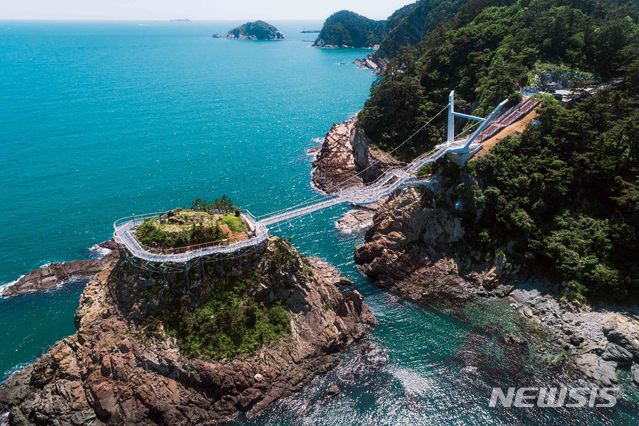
point(102, 120)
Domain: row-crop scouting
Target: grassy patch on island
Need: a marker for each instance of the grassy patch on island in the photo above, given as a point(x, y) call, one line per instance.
point(202, 223)
point(225, 323)
point(228, 324)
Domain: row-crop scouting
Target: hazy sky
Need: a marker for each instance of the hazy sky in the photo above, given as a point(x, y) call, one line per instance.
point(193, 9)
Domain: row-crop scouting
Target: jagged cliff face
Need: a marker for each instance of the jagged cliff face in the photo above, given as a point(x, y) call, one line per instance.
point(113, 370)
point(411, 249)
point(346, 159)
point(420, 244)
point(419, 247)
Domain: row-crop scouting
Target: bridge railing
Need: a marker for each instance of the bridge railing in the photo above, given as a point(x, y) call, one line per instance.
point(127, 224)
point(137, 218)
point(384, 185)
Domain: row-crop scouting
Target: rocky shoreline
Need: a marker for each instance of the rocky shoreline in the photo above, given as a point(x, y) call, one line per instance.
point(372, 62)
point(409, 252)
point(355, 221)
point(346, 159)
point(57, 274)
point(112, 371)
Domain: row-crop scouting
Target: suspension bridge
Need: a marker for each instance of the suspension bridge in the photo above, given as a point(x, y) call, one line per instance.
point(459, 150)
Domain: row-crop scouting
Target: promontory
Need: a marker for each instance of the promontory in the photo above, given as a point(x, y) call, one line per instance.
point(168, 345)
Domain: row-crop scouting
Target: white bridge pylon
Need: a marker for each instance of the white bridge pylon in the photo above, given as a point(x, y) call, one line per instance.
point(389, 182)
point(468, 148)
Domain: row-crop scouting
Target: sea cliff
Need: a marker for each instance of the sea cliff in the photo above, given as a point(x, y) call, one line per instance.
point(345, 159)
point(418, 248)
point(127, 361)
point(417, 245)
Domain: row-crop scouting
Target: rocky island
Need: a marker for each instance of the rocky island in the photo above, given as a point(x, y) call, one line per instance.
point(346, 158)
point(54, 275)
point(258, 30)
point(231, 335)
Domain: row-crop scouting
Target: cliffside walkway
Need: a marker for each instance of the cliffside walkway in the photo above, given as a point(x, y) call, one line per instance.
point(392, 180)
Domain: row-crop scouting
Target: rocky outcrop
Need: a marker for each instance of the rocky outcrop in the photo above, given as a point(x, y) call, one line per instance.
point(355, 221)
point(372, 62)
point(113, 371)
point(56, 274)
point(417, 248)
point(345, 159)
point(596, 369)
point(407, 240)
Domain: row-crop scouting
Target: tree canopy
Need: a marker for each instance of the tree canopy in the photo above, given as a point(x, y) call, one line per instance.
point(487, 52)
point(564, 196)
point(348, 29)
point(258, 30)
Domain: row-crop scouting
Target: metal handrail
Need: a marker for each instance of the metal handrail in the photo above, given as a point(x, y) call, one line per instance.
point(132, 221)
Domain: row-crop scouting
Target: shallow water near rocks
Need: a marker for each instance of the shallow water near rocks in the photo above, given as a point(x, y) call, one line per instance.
point(102, 120)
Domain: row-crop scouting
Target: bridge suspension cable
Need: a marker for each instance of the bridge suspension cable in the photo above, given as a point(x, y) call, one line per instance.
point(408, 139)
point(390, 181)
point(340, 185)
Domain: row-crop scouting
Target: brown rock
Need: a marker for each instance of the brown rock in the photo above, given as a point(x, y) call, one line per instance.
point(56, 274)
point(108, 373)
point(345, 159)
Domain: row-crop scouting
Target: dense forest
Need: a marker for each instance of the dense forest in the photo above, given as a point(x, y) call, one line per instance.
point(487, 52)
point(348, 29)
point(564, 196)
point(406, 27)
point(258, 30)
point(410, 24)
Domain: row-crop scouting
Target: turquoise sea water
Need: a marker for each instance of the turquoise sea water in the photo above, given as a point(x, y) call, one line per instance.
point(102, 120)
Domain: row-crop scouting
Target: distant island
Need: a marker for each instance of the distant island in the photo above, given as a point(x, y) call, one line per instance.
point(180, 20)
point(305, 31)
point(348, 29)
point(258, 30)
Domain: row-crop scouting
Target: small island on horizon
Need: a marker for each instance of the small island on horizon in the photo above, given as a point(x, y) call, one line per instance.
point(258, 30)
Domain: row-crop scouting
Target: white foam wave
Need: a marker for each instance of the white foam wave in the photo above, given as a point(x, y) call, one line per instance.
point(98, 252)
point(312, 152)
point(16, 369)
point(414, 384)
point(5, 286)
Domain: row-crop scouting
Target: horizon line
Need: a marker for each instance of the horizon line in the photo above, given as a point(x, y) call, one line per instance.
point(159, 19)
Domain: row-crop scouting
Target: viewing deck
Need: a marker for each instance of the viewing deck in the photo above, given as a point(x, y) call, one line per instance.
point(124, 234)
